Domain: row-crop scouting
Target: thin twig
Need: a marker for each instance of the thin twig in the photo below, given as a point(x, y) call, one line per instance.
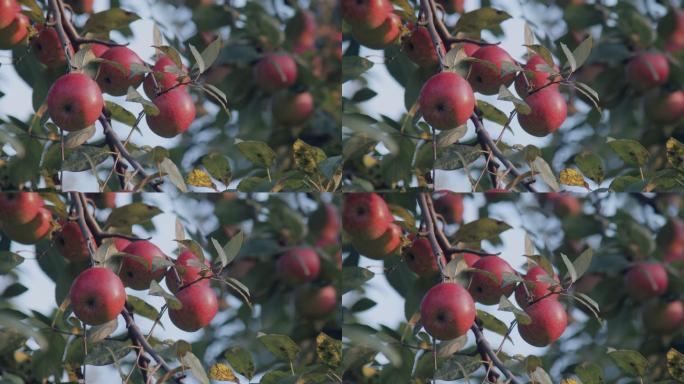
point(484, 347)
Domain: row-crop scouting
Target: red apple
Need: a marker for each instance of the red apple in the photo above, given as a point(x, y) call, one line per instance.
point(274, 72)
point(421, 259)
point(301, 31)
point(32, 231)
point(292, 108)
point(646, 280)
point(365, 13)
point(47, 47)
point(487, 286)
point(447, 311)
point(19, 207)
point(365, 215)
point(138, 271)
point(200, 305)
point(75, 102)
point(548, 112)
point(486, 77)
point(549, 321)
point(665, 107)
point(15, 33)
point(663, 318)
point(298, 265)
point(8, 11)
point(165, 72)
point(446, 100)
point(536, 288)
point(176, 113)
point(379, 37)
point(71, 242)
point(535, 77)
point(564, 204)
point(115, 79)
point(449, 205)
point(328, 218)
point(97, 296)
point(419, 47)
point(188, 272)
point(382, 247)
point(647, 70)
point(316, 302)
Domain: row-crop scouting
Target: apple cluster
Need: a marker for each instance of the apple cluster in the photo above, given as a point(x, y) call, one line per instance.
point(373, 22)
point(24, 217)
point(448, 308)
point(14, 25)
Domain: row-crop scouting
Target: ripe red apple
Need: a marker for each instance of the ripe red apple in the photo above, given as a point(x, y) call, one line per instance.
point(365, 13)
point(200, 305)
point(663, 318)
point(536, 288)
point(15, 33)
point(165, 72)
point(328, 230)
point(676, 236)
point(298, 265)
point(291, 108)
point(449, 205)
point(115, 79)
point(563, 204)
point(187, 271)
point(75, 102)
point(548, 112)
point(316, 302)
point(139, 271)
point(647, 70)
point(71, 243)
point(487, 287)
point(47, 48)
point(665, 107)
point(8, 11)
point(97, 296)
point(549, 321)
point(421, 259)
point(19, 207)
point(452, 6)
point(176, 113)
point(81, 6)
point(483, 77)
point(365, 215)
point(32, 231)
point(379, 37)
point(534, 77)
point(275, 71)
point(98, 49)
point(382, 247)
point(446, 100)
point(419, 48)
point(447, 311)
point(646, 280)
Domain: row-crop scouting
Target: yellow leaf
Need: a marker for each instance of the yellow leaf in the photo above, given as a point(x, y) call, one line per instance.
point(199, 178)
point(568, 381)
point(221, 372)
point(368, 371)
point(569, 176)
point(328, 350)
point(307, 157)
point(675, 153)
point(675, 364)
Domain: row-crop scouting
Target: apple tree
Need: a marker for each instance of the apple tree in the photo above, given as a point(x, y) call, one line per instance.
point(240, 96)
point(595, 103)
point(501, 287)
point(249, 294)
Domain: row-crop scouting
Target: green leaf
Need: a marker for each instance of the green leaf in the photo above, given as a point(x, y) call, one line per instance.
point(591, 166)
point(134, 213)
point(520, 315)
point(571, 59)
point(354, 66)
point(111, 19)
point(457, 156)
point(281, 346)
point(492, 113)
point(84, 158)
point(478, 230)
point(582, 51)
point(232, 247)
point(630, 151)
point(120, 114)
point(76, 138)
point(540, 165)
point(190, 360)
point(632, 363)
point(481, 18)
point(570, 267)
point(171, 300)
point(9, 261)
point(458, 367)
point(142, 308)
point(451, 136)
point(675, 154)
point(168, 167)
point(590, 373)
point(107, 352)
point(210, 53)
point(13, 290)
point(491, 323)
point(199, 61)
point(520, 105)
point(257, 152)
point(540, 376)
point(218, 167)
point(583, 262)
point(134, 96)
point(353, 277)
point(241, 361)
point(100, 332)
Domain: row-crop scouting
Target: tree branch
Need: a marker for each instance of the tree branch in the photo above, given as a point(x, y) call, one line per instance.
point(430, 226)
point(484, 348)
point(434, 35)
